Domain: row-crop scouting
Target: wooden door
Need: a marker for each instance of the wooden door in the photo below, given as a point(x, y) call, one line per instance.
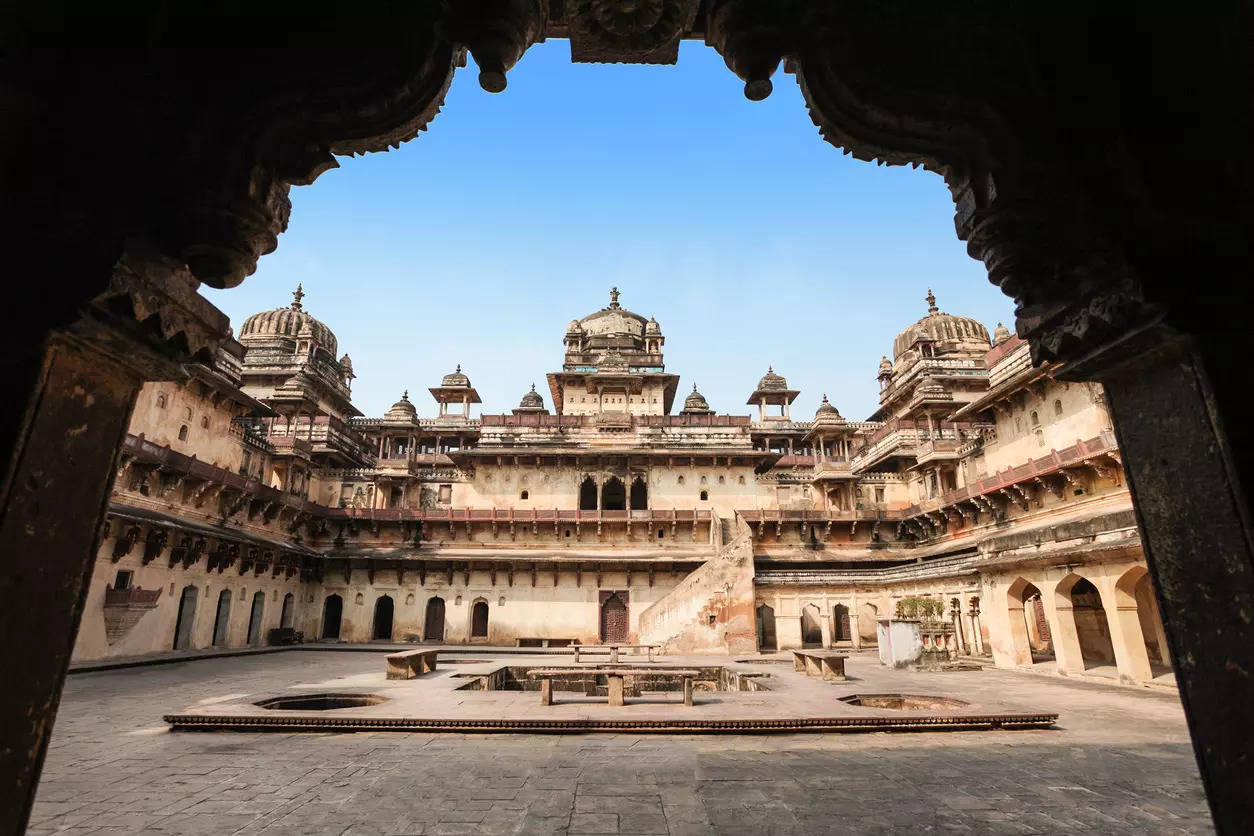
point(614, 618)
point(434, 629)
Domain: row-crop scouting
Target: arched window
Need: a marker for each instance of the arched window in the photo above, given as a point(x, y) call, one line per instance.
point(614, 495)
point(1036, 422)
point(479, 620)
point(681, 479)
point(1018, 427)
point(183, 433)
point(588, 494)
point(1057, 408)
point(524, 495)
point(161, 400)
point(187, 413)
point(705, 495)
point(639, 494)
point(204, 422)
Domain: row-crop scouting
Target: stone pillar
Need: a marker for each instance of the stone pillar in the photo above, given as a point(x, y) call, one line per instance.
point(1061, 617)
point(787, 632)
point(825, 628)
point(1181, 417)
point(1131, 657)
point(855, 635)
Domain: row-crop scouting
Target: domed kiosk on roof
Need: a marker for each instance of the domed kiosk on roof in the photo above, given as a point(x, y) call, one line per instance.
point(695, 403)
point(613, 364)
point(939, 334)
point(773, 391)
point(532, 403)
point(288, 324)
point(402, 411)
point(455, 388)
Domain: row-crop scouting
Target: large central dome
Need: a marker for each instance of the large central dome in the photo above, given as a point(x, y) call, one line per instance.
point(288, 322)
point(952, 334)
point(613, 320)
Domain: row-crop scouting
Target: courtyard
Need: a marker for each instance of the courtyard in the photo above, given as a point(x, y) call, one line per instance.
point(1118, 761)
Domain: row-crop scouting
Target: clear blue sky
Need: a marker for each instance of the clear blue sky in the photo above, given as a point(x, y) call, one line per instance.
point(752, 241)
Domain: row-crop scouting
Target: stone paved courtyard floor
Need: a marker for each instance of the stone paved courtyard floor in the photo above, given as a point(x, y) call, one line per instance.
point(1119, 762)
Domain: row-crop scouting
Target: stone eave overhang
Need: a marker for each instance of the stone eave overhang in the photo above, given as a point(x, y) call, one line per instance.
point(1003, 390)
point(454, 394)
point(774, 397)
point(223, 385)
point(609, 555)
point(148, 516)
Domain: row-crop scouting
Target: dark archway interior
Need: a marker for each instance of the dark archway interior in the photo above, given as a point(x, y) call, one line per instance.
point(256, 617)
point(289, 604)
point(811, 630)
point(1091, 625)
point(587, 495)
point(766, 628)
point(332, 610)
point(383, 608)
point(433, 624)
point(222, 620)
point(614, 495)
point(479, 620)
point(186, 619)
point(639, 494)
point(840, 624)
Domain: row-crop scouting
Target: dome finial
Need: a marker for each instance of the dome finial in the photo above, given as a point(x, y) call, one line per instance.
point(297, 295)
point(459, 368)
point(694, 387)
point(533, 387)
point(931, 302)
point(613, 297)
point(405, 395)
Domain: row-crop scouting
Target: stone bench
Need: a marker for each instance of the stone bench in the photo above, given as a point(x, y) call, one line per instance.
point(614, 679)
point(613, 649)
point(830, 666)
point(410, 663)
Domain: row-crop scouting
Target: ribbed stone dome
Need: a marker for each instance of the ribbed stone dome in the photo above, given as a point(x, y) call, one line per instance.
point(1000, 334)
point(614, 319)
point(288, 322)
point(531, 400)
point(652, 327)
point(826, 410)
point(456, 378)
point(960, 332)
point(695, 402)
point(402, 410)
point(770, 380)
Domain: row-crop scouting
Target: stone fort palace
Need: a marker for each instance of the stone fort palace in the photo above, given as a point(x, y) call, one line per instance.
point(253, 495)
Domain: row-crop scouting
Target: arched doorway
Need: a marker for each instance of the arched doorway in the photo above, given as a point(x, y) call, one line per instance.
point(811, 630)
point(1031, 639)
point(479, 620)
point(433, 627)
point(840, 624)
point(286, 616)
point(222, 620)
point(1080, 603)
point(383, 609)
point(587, 494)
point(614, 495)
point(868, 620)
point(186, 619)
point(256, 618)
point(1137, 628)
point(639, 494)
point(766, 628)
point(332, 610)
point(614, 617)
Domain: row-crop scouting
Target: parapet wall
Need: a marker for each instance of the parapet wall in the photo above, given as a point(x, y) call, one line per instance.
point(711, 610)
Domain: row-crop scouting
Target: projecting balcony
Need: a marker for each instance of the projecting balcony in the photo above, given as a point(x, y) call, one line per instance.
point(938, 450)
point(290, 445)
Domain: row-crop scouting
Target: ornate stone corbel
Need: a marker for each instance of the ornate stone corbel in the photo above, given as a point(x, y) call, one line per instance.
point(753, 38)
point(125, 542)
point(154, 543)
point(498, 32)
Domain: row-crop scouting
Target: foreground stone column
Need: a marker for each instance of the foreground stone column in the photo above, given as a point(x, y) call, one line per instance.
point(82, 379)
point(1182, 425)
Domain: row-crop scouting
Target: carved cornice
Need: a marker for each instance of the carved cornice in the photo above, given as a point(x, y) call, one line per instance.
point(641, 32)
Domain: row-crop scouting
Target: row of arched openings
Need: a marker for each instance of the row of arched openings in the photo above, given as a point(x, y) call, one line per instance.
point(185, 621)
point(811, 626)
point(613, 495)
point(1084, 622)
point(384, 618)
